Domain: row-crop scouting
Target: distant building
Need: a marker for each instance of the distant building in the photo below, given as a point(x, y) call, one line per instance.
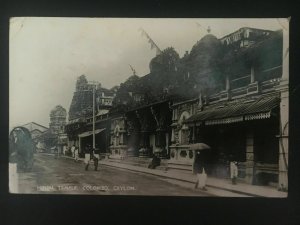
point(79, 126)
point(58, 117)
point(35, 129)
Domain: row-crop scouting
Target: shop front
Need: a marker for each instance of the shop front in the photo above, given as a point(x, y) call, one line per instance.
point(86, 138)
point(244, 131)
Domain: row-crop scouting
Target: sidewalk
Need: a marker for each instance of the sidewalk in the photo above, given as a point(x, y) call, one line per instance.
point(224, 186)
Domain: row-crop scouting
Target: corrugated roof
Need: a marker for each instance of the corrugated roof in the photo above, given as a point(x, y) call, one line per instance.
point(263, 104)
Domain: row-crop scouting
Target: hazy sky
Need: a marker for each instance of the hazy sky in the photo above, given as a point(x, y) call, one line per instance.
point(48, 54)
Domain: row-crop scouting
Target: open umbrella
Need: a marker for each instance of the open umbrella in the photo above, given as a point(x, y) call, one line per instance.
point(158, 150)
point(198, 146)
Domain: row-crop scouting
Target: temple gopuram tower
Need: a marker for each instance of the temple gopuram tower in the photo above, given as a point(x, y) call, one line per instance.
point(58, 117)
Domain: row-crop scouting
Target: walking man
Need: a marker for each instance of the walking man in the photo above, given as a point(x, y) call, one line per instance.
point(96, 159)
point(73, 151)
point(233, 171)
point(76, 153)
point(87, 156)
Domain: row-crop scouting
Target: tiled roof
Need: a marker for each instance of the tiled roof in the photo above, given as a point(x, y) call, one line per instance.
point(237, 110)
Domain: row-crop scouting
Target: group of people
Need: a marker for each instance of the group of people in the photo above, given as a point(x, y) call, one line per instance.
point(73, 151)
point(200, 168)
point(91, 155)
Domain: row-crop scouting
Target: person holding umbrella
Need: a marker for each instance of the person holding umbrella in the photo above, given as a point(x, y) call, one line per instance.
point(200, 164)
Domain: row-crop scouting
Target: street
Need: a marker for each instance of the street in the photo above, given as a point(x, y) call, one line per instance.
point(65, 176)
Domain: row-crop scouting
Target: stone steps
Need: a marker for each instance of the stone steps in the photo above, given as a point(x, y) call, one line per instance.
point(141, 162)
point(180, 167)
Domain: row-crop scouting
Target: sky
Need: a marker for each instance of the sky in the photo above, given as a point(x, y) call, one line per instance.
point(47, 55)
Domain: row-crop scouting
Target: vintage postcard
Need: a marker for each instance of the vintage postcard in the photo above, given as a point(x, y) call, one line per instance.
point(160, 107)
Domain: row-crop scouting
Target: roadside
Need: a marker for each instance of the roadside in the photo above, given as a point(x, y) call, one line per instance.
point(216, 186)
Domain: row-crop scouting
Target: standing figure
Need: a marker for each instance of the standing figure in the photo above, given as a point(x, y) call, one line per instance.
point(76, 153)
point(64, 149)
point(199, 169)
point(55, 152)
point(233, 171)
point(87, 156)
point(73, 151)
point(95, 158)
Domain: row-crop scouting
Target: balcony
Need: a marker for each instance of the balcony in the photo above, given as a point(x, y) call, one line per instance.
point(241, 87)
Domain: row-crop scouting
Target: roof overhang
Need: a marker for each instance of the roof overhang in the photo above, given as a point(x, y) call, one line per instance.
point(89, 133)
point(236, 112)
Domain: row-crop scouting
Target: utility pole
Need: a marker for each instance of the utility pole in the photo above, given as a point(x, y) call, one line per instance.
point(94, 117)
point(94, 83)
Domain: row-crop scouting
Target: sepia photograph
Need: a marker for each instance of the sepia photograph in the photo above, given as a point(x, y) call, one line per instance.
point(149, 106)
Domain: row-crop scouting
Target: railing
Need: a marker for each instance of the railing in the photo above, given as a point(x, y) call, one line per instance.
point(240, 82)
point(271, 73)
point(267, 80)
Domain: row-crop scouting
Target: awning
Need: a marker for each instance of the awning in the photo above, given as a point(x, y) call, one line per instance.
point(237, 111)
point(88, 133)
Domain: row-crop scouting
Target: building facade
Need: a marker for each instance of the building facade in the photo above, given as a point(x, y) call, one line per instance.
point(229, 93)
point(79, 128)
point(246, 122)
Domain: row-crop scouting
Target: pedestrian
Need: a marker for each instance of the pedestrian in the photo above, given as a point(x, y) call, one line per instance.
point(87, 156)
point(73, 151)
point(76, 153)
point(55, 152)
point(233, 171)
point(65, 150)
point(95, 158)
point(199, 169)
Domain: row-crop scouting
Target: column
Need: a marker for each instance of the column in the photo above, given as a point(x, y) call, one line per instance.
point(121, 138)
point(194, 134)
point(253, 86)
point(284, 111)
point(252, 75)
point(173, 135)
point(145, 139)
point(283, 142)
point(227, 83)
point(249, 158)
point(79, 145)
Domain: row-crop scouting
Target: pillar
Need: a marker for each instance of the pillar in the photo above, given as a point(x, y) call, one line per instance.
point(79, 145)
point(160, 139)
point(227, 83)
point(194, 134)
point(252, 75)
point(121, 138)
point(284, 111)
point(249, 158)
point(173, 135)
point(145, 139)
